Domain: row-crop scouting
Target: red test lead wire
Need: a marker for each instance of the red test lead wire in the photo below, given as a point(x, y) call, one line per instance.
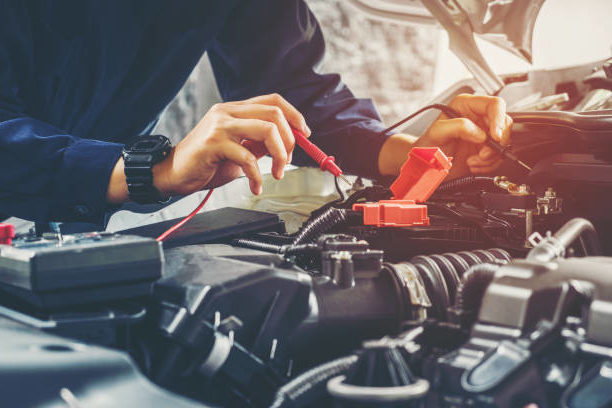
point(182, 222)
point(325, 162)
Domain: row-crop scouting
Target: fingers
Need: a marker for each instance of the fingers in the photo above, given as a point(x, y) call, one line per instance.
point(267, 133)
point(272, 114)
point(293, 116)
point(444, 130)
point(263, 123)
point(478, 165)
point(486, 153)
point(492, 108)
point(248, 163)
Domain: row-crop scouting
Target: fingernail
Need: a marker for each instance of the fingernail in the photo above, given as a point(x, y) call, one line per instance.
point(282, 173)
point(259, 190)
point(500, 132)
point(306, 129)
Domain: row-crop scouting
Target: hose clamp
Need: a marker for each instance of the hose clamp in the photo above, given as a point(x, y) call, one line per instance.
point(339, 389)
point(218, 355)
point(412, 282)
point(546, 248)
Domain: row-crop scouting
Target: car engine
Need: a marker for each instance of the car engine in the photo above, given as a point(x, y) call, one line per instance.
point(487, 291)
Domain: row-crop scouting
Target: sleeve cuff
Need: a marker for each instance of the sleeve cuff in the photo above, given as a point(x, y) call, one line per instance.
point(366, 141)
point(82, 181)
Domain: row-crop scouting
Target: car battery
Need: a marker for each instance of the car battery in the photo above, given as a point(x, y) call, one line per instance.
point(54, 271)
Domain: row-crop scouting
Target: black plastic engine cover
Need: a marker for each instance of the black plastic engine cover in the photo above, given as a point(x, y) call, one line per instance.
point(527, 292)
point(284, 312)
point(38, 369)
point(270, 297)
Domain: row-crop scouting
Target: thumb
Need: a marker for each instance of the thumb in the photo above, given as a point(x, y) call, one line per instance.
point(445, 130)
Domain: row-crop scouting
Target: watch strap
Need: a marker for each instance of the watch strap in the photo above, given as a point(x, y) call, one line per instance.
point(138, 165)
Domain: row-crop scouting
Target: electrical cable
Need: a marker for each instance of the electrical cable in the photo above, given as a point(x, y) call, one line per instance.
point(323, 223)
point(182, 222)
point(443, 108)
point(310, 385)
point(337, 203)
point(462, 219)
point(453, 114)
point(339, 190)
point(373, 193)
point(462, 183)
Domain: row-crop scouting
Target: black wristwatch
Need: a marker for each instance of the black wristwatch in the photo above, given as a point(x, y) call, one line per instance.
point(139, 159)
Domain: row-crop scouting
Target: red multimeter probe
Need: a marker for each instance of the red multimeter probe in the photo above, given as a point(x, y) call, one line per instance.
point(325, 162)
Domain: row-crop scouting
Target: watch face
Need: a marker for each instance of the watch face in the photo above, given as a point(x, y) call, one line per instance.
point(149, 144)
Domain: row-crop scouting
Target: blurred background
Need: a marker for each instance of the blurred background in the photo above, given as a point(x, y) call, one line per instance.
point(402, 66)
point(390, 63)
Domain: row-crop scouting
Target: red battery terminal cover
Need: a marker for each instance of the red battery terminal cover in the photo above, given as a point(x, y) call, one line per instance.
point(420, 175)
point(7, 233)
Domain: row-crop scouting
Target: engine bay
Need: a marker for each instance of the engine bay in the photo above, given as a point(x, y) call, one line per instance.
point(489, 291)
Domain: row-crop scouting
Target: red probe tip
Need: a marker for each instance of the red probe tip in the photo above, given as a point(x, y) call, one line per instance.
point(323, 160)
point(341, 177)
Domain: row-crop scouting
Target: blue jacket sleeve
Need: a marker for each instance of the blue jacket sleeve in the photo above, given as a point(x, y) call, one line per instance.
point(277, 46)
point(50, 175)
point(47, 174)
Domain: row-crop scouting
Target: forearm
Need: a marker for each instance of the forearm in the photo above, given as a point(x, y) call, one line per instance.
point(394, 153)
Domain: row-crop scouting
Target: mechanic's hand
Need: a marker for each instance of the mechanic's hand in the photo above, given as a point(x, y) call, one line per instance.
point(212, 154)
point(463, 138)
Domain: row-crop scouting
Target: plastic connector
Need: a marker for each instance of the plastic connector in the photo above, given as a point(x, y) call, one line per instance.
point(420, 175)
point(393, 213)
point(7, 233)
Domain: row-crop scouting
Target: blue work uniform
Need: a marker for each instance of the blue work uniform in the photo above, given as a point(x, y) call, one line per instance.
point(79, 78)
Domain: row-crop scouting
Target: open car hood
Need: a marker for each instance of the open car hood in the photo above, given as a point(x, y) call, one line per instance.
point(507, 23)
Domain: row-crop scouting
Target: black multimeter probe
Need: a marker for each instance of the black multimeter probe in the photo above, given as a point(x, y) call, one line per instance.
point(451, 113)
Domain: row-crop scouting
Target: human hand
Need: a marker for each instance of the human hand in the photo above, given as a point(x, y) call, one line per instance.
point(463, 138)
point(212, 154)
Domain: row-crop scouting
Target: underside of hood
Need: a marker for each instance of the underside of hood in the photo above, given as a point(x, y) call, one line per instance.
point(508, 24)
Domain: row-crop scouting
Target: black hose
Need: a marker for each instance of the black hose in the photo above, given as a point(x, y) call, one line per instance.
point(311, 384)
point(473, 286)
point(299, 249)
point(261, 246)
point(442, 275)
point(274, 248)
point(579, 228)
point(555, 246)
point(320, 225)
point(314, 228)
point(465, 182)
point(309, 232)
